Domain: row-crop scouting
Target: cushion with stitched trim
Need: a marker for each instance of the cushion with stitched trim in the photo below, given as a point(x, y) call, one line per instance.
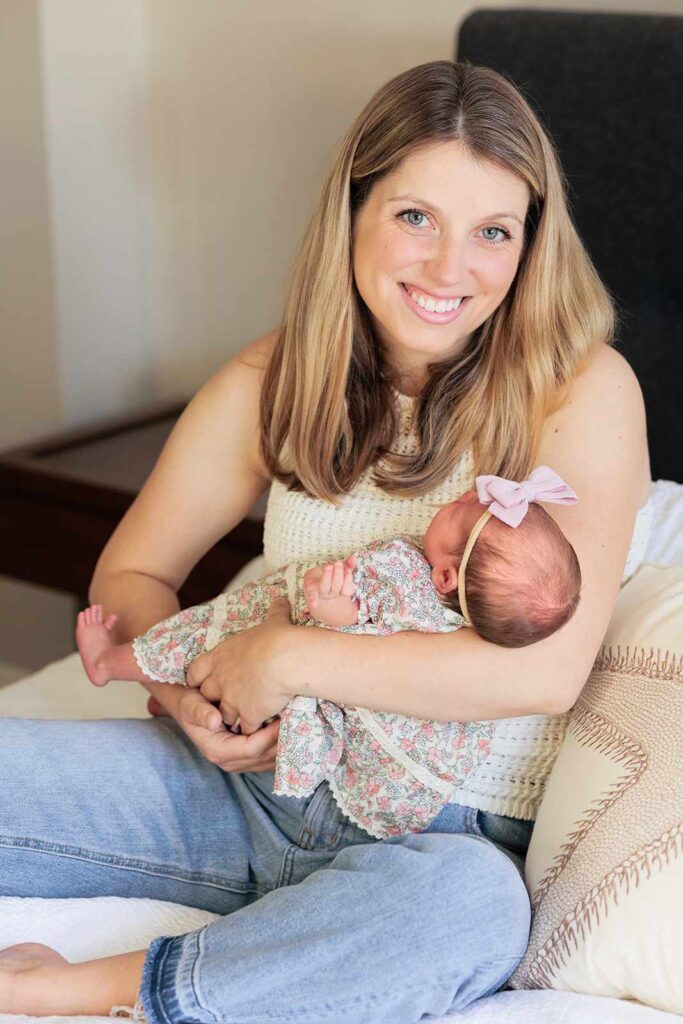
point(605, 863)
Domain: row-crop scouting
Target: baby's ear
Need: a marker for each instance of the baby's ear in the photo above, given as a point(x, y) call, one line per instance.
point(446, 579)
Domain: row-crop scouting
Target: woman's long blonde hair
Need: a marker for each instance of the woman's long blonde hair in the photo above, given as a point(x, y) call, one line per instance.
point(326, 402)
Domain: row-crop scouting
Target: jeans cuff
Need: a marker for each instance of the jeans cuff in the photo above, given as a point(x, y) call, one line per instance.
point(166, 980)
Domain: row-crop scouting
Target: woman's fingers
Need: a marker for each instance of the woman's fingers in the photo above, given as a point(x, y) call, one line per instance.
point(210, 688)
point(257, 744)
point(229, 715)
point(242, 753)
point(199, 669)
point(196, 710)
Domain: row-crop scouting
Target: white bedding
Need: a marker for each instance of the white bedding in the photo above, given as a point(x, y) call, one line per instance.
point(75, 927)
point(544, 1007)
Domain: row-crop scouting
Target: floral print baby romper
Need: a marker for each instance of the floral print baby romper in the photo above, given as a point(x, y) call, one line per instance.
point(389, 773)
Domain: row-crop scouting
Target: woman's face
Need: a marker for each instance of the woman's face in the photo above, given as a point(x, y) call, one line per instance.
point(441, 227)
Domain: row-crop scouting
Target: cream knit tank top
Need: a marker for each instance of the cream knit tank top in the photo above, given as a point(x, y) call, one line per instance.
point(298, 527)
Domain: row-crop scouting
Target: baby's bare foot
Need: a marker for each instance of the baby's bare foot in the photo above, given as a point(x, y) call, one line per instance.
point(94, 641)
point(17, 963)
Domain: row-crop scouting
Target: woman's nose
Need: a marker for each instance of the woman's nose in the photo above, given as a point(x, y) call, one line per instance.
point(449, 261)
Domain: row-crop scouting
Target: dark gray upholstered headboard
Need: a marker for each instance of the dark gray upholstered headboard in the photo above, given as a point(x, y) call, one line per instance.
point(609, 88)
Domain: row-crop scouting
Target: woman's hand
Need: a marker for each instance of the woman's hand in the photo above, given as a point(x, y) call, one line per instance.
point(244, 675)
point(202, 722)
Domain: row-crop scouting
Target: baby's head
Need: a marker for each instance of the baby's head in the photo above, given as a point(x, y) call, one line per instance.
point(521, 583)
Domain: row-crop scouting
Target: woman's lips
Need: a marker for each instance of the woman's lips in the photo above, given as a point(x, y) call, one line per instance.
point(432, 318)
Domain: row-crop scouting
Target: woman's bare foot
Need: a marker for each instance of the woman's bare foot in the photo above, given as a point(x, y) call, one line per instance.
point(93, 636)
point(20, 968)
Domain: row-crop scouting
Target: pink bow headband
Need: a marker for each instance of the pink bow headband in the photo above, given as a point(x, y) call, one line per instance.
point(509, 501)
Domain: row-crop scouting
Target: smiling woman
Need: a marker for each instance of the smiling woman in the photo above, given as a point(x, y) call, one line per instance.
point(443, 199)
point(363, 410)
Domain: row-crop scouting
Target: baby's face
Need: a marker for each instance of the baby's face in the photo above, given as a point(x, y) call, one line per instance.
point(445, 539)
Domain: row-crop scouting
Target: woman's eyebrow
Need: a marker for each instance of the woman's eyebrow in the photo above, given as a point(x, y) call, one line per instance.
point(435, 209)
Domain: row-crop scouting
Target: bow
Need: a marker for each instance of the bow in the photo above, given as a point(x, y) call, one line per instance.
point(509, 500)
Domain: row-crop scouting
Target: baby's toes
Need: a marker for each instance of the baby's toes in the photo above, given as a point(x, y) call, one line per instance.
point(111, 621)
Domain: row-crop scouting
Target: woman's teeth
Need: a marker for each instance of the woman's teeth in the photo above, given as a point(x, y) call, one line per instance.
point(435, 305)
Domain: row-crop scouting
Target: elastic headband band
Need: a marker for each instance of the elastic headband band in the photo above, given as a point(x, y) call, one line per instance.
point(471, 540)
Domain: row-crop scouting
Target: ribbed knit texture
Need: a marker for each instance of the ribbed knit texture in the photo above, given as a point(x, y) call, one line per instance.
point(300, 528)
point(297, 527)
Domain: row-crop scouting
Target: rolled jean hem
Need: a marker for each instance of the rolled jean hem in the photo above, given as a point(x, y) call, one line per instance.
point(161, 982)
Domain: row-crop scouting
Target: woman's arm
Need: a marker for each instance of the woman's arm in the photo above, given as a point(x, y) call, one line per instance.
point(597, 443)
point(207, 478)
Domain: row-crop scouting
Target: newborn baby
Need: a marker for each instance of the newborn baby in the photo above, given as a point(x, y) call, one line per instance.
point(507, 571)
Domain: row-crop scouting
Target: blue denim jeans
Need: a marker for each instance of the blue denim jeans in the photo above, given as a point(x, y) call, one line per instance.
point(320, 923)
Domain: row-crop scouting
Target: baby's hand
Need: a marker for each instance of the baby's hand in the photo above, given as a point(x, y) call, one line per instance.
point(329, 591)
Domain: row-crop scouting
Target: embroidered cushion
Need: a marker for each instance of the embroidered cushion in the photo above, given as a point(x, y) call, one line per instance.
point(605, 864)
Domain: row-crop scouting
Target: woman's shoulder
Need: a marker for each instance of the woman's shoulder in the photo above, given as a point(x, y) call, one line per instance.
point(609, 368)
point(605, 393)
point(247, 366)
point(229, 402)
point(602, 414)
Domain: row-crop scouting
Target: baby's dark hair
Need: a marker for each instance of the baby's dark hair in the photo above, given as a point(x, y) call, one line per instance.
point(521, 584)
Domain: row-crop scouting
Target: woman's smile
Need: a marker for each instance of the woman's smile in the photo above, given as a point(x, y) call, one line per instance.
point(432, 316)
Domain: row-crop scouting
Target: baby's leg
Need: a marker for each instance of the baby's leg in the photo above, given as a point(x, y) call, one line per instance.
point(102, 658)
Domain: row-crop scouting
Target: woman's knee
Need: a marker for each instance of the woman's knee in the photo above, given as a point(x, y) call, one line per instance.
point(460, 887)
point(450, 908)
point(470, 889)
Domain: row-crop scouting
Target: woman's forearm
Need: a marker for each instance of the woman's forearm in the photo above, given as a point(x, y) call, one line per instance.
point(438, 676)
point(140, 601)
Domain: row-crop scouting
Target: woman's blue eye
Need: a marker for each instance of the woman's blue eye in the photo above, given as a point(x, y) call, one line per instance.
point(412, 213)
point(496, 241)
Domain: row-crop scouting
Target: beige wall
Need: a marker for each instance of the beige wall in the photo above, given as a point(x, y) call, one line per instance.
point(34, 625)
point(160, 161)
point(30, 398)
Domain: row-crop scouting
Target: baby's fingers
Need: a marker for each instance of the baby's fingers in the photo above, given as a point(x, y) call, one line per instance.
point(337, 578)
point(311, 593)
point(348, 588)
point(326, 581)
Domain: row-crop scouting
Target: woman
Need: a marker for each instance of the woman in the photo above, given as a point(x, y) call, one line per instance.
point(444, 317)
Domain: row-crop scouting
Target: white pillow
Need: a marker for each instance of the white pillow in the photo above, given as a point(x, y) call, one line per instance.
point(605, 863)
